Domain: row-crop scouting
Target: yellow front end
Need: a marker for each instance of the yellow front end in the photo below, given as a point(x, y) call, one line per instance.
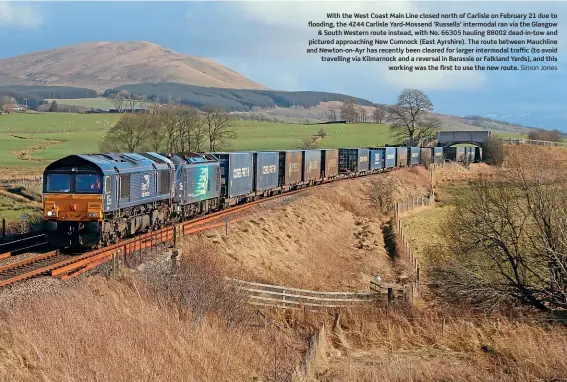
point(73, 207)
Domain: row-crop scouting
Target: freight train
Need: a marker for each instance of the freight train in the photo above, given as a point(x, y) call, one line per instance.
point(94, 200)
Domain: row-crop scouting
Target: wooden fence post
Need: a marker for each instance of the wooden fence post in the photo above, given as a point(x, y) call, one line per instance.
point(390, 295)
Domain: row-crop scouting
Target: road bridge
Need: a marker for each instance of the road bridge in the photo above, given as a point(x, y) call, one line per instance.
point(475, 137)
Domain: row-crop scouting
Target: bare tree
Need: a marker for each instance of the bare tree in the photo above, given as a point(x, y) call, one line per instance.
point(117, 100)
point(361, 114)
point(219, 127)
point(332, 114)
point(349, 111)
point(411, 118)
point(380, 193)
point(128, 135)
point(378, 115)
point(508, 236)
point(7, 100)
point(153, 126)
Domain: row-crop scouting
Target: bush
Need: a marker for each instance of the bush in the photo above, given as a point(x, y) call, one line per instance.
point(545, 135)
point(493, 151)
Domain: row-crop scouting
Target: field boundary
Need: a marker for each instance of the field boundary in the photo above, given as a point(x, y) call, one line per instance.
point(521, 141)
point(408, 206)
point(283, 297)
point(315, 345)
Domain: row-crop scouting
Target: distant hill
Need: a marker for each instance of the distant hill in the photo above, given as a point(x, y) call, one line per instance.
point(103, 65)
point(231, 99)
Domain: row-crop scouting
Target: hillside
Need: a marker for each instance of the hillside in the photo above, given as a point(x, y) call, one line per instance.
point(231, 99)
point(103, 65)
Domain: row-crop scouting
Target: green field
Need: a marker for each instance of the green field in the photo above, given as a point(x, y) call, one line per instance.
point(28, 142)
point(88, 103)
point(12, 210)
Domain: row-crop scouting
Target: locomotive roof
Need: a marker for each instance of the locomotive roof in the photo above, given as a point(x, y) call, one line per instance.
point(193, 158)
point(111, 163)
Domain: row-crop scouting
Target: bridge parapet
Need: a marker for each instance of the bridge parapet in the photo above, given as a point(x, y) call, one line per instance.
point(448, 138)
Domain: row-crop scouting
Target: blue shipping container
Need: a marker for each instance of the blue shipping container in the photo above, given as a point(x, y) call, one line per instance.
point(266, 170)
point(376, 159)
point(390, 157)
point(413, 156)
point(353, 160)
point(438, 155)
point(236, 173)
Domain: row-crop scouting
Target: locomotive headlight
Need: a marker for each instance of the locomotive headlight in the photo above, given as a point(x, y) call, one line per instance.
point(50, 213)
point(93, 214)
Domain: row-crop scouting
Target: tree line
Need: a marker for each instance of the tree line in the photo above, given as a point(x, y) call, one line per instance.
point(171, 129)
point(228, 99)
point(546, 135)
point(34, 96)
point(59, 92)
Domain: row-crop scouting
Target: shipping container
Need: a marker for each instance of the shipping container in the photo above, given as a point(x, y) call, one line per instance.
point(236, 173)
point(353, 160)
point(413, 156)
point(401, 156)
point(390, 157)
point(289, 169)
point(438, 155)
point(311, 163)
point(469, 154)
point(376, 158)
point(456, 154)
point(426, 155)
point(478, 154)
point(329, 163)
point(266, 165)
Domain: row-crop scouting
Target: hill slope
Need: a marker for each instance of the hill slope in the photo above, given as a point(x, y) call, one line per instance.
point(103, 65)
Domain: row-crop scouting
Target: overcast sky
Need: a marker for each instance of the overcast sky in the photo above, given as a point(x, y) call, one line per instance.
point(266, 42)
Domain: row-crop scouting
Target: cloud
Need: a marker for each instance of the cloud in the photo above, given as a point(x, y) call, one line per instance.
point(19, 16)
point(291, 19)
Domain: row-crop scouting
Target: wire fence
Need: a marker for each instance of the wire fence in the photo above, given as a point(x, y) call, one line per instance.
point(521, 141)
point(403, 245)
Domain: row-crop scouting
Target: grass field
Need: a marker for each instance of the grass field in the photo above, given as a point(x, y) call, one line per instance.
point(85, 102)
point(12, 209)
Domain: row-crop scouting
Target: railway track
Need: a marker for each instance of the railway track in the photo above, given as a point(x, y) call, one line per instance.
point(66, 266)
point(22, 245)
point(31, 267)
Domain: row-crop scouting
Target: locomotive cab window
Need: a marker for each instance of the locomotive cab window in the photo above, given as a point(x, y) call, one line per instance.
point(88, 183)
point(124, 186)
point(107, 185)
point(165, 182)
point(58, 183)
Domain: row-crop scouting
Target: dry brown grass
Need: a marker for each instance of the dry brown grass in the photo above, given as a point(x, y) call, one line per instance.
point(425, 346)
point(331, 239)
point(127, 331)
